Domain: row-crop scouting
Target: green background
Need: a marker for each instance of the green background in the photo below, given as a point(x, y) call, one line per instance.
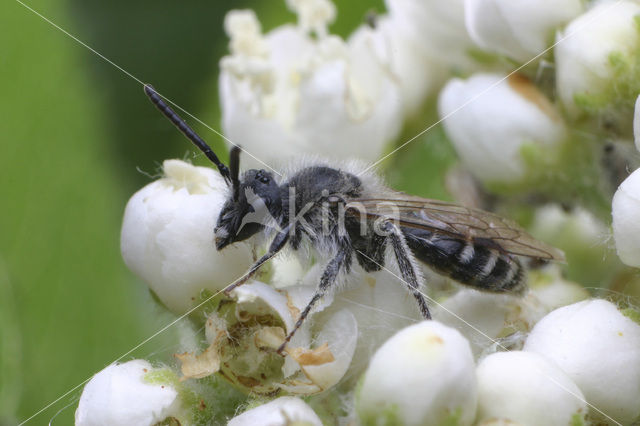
point(78, 139)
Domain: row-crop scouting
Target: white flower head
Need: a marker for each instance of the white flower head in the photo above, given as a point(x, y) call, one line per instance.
point(293, 94)
point(517, 29)
point(119, 396)
point(423, 375)
point(589, 50)
point(283, 411)
point(168, 236)
point(625, 210)
point(526, 388)
point(489, 119)
point(599, 349)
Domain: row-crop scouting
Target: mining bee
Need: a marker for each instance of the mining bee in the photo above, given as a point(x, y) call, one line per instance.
point(348, 215)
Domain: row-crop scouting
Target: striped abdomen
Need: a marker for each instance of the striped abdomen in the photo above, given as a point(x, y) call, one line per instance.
point(478, 265)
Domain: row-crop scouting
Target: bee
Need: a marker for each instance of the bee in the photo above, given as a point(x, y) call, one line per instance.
point(348, 215)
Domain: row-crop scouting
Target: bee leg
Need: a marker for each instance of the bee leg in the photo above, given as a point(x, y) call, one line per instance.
point(409, 268)
point(329, 277)
point(277, 244)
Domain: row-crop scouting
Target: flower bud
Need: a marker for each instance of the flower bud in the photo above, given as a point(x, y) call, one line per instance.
point(167, 236)
point(284, 411)
point(599, 349)
point(519, 30)
point(489, 120)
point(119, 395)
point(287, 93)
point(526, 388)
point(423, 375)
point(594, 53)
point(625, 210)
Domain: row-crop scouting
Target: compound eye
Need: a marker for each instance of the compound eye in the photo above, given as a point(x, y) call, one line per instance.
point(262, 177)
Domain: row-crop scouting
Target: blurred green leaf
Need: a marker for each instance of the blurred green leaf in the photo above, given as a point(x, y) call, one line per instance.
point(76, 306)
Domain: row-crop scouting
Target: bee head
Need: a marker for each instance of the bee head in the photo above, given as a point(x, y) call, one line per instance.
point(254, 204)
point(255, 199)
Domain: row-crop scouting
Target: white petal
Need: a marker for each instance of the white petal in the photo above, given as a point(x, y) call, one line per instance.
point(167, 236)
point(527, 388)
point(599, 348)
point(436, 25)
point(118, 395)
point(417, 74)
point(283, 411)
point(321, 96)
point(424, 375)
point(518, 29)
point(341, 333)
point(489, 119)
point(625, 210)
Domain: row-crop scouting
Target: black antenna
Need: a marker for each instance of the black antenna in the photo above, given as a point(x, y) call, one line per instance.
point(189, 133)
point(234, 168)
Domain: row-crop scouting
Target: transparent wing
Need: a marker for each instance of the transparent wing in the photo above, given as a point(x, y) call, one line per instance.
point(471, 224)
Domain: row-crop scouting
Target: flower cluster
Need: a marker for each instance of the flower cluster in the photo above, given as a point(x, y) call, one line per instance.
point(540, 102)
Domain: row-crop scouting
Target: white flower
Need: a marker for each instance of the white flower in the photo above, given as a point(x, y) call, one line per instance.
point(423, 375)
point(283, 411)
point(518, 29)
point(438, 28)
point(625, 210)
point(167, 236)
point(483, 317)
point(590, 48)
point(286, 93)
point(527, 388)
point(489, 120)
point(417, 74)
point(599, 348)
point(118, 395)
